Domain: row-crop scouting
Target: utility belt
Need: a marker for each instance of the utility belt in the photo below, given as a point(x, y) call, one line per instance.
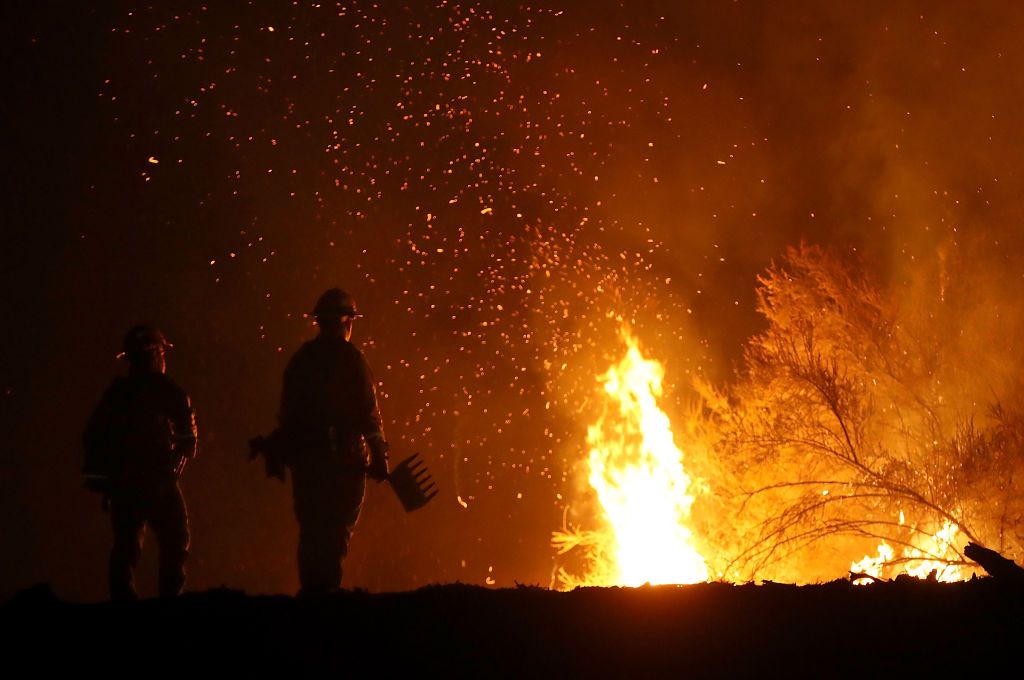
point(344, 445)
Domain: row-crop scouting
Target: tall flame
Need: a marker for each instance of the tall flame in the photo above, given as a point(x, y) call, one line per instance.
point(636, 469)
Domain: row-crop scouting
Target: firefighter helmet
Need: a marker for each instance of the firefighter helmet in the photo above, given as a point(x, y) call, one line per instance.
point(336, 302)
point(143, 338)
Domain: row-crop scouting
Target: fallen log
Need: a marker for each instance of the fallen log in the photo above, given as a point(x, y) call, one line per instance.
point(995, 564)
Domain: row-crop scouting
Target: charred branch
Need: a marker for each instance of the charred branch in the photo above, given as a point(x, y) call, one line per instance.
point(995, 564)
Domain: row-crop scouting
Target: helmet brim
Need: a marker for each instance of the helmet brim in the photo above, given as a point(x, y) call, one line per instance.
point(123, 354)
point(335, 312)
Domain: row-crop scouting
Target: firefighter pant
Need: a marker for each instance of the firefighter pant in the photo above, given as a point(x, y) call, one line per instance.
point(163, 510)
point(328, 498)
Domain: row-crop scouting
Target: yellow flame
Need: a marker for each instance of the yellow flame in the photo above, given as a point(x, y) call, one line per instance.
point(637, 471)
point(928, 554)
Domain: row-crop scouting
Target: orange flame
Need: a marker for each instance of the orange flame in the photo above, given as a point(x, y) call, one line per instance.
point(928, 554)
point(636, 469)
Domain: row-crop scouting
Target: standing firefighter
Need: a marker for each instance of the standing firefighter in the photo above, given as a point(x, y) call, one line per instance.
point(137, 442)
point(328, 420)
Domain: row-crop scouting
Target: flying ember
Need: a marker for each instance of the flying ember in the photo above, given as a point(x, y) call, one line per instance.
point(637, 472)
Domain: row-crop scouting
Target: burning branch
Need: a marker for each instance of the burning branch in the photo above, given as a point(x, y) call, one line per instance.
point(832, 430)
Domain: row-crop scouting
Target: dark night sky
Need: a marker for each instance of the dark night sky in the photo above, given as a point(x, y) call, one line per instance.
point(491, 182)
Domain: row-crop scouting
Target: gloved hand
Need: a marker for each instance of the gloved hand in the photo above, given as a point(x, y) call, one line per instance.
point(378, 469)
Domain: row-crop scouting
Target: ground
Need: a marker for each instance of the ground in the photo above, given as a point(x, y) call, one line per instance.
point(905, 628)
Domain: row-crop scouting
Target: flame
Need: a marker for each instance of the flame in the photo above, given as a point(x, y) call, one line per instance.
point(928, 553)
point(637, 472)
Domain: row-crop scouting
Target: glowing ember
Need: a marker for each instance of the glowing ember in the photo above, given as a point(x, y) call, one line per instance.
point(637, 472)
point(929, 553)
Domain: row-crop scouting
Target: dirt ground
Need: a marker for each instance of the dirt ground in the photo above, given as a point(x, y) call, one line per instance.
point(905, 628)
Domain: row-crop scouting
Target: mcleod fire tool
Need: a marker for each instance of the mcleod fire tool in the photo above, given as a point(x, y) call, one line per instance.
point(412, 483)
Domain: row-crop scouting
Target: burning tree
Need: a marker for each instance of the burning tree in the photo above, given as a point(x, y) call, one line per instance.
point(851, 421)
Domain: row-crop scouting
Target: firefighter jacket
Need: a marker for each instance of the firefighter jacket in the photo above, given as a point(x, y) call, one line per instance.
point(329, 401)
point(140, 434)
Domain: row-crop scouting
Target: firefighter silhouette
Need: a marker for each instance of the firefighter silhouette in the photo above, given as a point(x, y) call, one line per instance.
point(137, 442)
point(331, 436)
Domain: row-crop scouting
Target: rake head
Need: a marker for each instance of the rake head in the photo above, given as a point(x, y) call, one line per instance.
point(412, 483)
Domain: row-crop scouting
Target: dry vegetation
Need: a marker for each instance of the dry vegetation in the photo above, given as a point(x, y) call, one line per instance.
point(861, 414)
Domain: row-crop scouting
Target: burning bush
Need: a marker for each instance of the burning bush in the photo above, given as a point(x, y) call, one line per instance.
point(869, 429)
point(852, 425)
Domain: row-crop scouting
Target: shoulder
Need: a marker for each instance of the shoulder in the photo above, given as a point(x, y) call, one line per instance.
point(352, 350)
point(121, 388)
point(330, 347)
point(307, 352)
point(173, 389)
point(352, 355)
point(320, 352)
